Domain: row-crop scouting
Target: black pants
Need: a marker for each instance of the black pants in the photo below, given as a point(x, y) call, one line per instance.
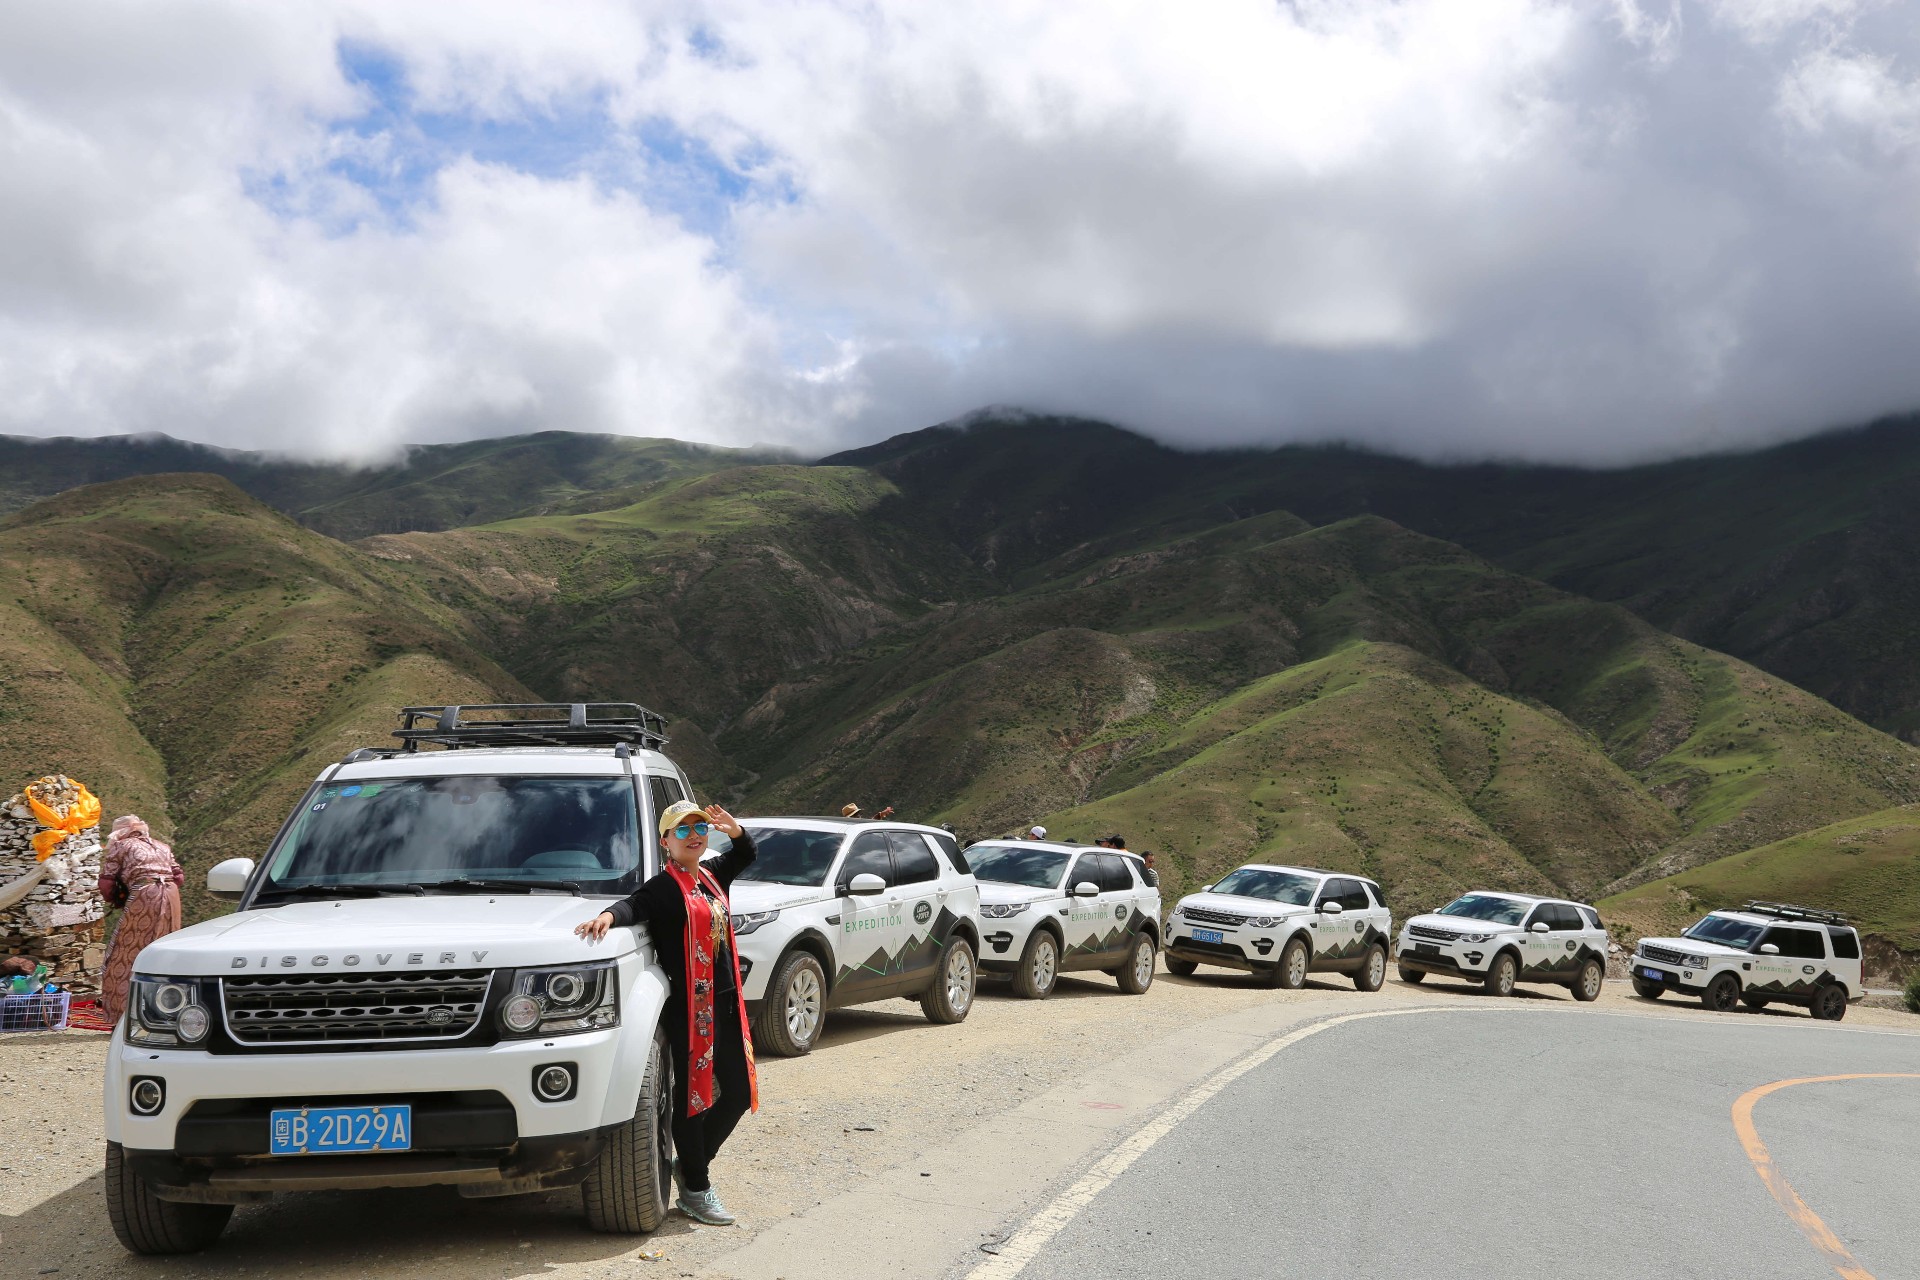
point(697, 1139)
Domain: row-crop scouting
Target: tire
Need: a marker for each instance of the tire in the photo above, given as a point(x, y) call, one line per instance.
point(1649, 990)
point(950, 998)
point(1503, 975)
point(1412, 975)
point(1829, 1003)
point(1291, 973)
point(1755, 1003)
point(1372, 973)
point(1039, 967)
point(1590, 981)
point(1136, 975)
point(795, 1009)
point(1181, 968)
point(630, 1184)
point(147, 1224)
point(1722, 994)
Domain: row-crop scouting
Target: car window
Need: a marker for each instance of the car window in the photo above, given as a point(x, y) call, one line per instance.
point(912, 860)
point(657, 790)
point(788, 855)
point(1802, 944)
point(1846, 943)
point(1355, 898)
point(1083, 868)
point(1565, 918)
point(950, 847)
point(871, 855)
point(1375, 897)
point(1542, 914)
point(1114, 876)
point(1592, 918)
point(1340, 889)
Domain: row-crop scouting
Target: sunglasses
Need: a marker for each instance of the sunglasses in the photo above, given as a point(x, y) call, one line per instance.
point(697, 829)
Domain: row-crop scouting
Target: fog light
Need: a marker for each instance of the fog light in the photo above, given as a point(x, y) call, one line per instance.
point(553, 1083)
point(192, 1024)
point(147, 1096)
point(520, 1014)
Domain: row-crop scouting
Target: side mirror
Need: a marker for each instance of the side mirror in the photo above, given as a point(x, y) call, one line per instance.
point(1086, 889)
point(1206, 888)
point(866, 884)
point(228, 880)
point(1538, 926)
point(1769, 949)
point(1331, 908)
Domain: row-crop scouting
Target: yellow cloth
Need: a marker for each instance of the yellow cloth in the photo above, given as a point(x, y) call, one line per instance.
point(83, 813)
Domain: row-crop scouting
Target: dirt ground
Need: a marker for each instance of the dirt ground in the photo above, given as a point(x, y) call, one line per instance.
point(883, 1085)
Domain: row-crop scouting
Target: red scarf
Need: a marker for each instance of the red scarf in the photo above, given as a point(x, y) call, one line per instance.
point(703, 931)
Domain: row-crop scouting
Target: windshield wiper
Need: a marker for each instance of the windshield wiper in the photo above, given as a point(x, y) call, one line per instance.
point(343, 890)
point(491, 885)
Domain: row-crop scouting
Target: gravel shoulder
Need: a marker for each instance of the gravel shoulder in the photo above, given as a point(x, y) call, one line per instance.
point(957, 1129)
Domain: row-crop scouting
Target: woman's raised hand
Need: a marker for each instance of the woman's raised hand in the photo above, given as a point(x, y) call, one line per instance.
point(725, 821)
point(596, 928)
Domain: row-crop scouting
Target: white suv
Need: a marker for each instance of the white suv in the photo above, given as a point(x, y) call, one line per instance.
point(1765, 953)
point(400, 999)
point(1284, 922)
point(1048, 909)
point(835, 912)
point(1502, 939)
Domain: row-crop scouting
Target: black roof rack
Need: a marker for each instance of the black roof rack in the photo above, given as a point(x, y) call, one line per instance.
point(1787, 911)
point(533, 724)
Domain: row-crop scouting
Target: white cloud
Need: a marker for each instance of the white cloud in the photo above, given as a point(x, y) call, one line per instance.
point(1455, 227)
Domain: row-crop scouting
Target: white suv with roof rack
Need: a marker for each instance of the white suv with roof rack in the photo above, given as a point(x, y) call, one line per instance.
point(1048, 909)
point(1764, 953)
point(400, 999)
point(837, 911)
point(1501, 939)
point(1284, 922)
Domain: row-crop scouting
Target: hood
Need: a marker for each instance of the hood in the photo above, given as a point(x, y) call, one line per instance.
point(747, 896)
point(1000, 894)
point(1696, 947)
point(1241, 906)
point(1460, 924)
point(438, 931)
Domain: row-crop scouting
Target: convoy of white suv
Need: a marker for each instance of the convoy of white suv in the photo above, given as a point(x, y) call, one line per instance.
point(1765, 953)
point(1048, 909)
point(1502, 939)
point(1284, 923)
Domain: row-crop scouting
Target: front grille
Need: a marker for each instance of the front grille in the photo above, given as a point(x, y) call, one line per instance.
point(1663, 955)
point(369, 1008)
point(1214, 917)
point(1437, 934)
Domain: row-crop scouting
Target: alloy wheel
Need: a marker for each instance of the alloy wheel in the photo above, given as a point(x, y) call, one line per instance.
point(959, 977)
point(1045, 962)
point(803, 1006)
point(1297, 966)
point(1143, 965)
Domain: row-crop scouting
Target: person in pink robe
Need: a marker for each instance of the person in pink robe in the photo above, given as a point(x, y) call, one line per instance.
point(151, 877)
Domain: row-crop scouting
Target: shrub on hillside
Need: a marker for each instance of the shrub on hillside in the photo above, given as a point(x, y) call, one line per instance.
point(1912, 994)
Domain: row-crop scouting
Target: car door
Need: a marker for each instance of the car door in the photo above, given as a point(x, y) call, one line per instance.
point(917, 890)
point(872, 930)
point(1333, 934)
point(1802, 958)
point(1537, 949)
point(1110, 933)
point(1567, 930)
point(1080, 918)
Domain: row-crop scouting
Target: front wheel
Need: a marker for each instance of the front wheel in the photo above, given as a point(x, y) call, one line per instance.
point(627, 1186)
point(147, 1224)
point(1755, 1003)
point(950, 998)
point(1593, 976)
point(796, 1008)
point(1722, 994)
point(1412, 975)
point(1291, 973)
point(1181, 968)
point(1502, 975)
point(1649, 990)
point(1372, 973)
point(1136, 975)
point(1829, 1003)
point(1039, 967)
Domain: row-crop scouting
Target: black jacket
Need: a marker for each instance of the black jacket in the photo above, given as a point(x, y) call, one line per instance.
point(658, 905)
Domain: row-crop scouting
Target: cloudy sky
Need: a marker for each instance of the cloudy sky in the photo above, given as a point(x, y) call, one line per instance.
point(1594, 231)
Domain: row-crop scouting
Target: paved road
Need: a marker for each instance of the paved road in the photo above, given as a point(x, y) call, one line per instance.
point(1522, 1144)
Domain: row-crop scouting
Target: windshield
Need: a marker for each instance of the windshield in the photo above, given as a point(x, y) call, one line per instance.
point(425, 831)
point(1287, 887)
point(1017, 864)
point(788, 855)
point(1483, 906)
point(1739, 934)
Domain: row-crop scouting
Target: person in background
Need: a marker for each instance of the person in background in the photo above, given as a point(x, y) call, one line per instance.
point(1036, 833)
point(140, 875)
point(1100, 842)
point(850, 811)
point(884, 814)
point(705, 1018)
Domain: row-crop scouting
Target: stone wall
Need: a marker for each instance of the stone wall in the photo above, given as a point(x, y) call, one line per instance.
point(61, 921)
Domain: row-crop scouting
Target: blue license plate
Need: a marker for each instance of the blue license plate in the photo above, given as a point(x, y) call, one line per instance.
point(1653, 974)
point(1209, 935)
point(313, 1131)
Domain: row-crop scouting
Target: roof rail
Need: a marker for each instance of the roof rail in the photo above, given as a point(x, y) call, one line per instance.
point(1787, 911)
point(533, 724)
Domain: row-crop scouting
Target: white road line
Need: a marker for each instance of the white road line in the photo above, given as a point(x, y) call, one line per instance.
point(1027, 1242)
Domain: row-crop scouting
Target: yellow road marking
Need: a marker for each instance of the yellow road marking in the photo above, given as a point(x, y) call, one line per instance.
point(1776, 1182)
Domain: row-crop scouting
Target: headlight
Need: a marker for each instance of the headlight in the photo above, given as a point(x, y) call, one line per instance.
point(1696, 962)
point(1476, 937)
point(1001, 910)
point(746, 923)
point(551, 1002)
point(1179, 909)
point(167, 1011)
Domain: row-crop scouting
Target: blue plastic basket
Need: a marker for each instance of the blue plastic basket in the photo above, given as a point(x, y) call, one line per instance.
point(34, 1013)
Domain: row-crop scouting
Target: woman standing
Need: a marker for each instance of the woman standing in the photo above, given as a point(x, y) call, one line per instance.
point(139, 874)
point(705, 1018)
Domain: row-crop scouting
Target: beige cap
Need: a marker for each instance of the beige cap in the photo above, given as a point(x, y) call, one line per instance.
point(675, 814)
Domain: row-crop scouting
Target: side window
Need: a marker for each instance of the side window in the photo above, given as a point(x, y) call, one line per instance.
point(1846, 943)
point(657, 791)
point(950, 848)
point(1592, 918)
point(1567, 918)
point(1084, 867)
point(1114, 876)
point(1801, 944)
point(1329, 892)
point(1542, 914)
point(1355, 898)
point(912, 861)
point(870, 855)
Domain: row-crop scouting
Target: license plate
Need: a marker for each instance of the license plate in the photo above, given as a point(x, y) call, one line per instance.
point(312, 1131)
point(1426, 948)
point(1209, 935)
point(1655, 974)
